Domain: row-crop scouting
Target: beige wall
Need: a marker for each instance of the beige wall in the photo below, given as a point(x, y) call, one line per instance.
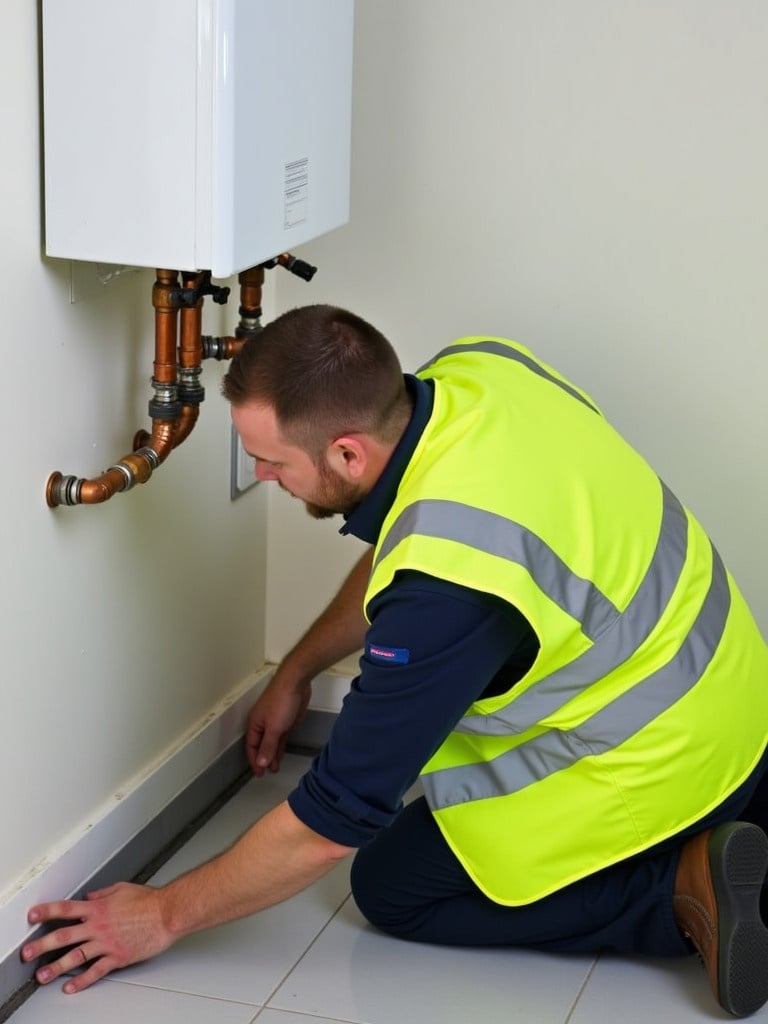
point(121, 626)
point(590, 179)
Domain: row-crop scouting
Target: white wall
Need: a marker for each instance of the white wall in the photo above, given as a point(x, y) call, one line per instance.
point(590, 179)
point(122, 626)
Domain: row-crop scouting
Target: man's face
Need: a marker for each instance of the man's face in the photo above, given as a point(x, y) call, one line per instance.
point(323, 491)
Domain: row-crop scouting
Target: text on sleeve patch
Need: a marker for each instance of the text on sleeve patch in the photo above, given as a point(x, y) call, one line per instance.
point(393, 655)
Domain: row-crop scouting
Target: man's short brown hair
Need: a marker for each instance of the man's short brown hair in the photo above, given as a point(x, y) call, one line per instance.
point(325, 372)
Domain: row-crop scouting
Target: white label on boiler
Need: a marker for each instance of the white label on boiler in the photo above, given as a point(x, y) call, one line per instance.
point(296, 192)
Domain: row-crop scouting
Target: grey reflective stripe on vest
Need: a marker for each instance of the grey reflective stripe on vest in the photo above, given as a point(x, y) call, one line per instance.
point(496, 348)
point(612, 648)
point(496, 535)
point(605, 730)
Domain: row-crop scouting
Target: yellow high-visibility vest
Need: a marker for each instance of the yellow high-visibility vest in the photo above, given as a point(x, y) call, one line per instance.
point(647, 704)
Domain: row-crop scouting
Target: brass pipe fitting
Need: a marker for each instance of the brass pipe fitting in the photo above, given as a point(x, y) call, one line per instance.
point(221, 348)
point(251, 282)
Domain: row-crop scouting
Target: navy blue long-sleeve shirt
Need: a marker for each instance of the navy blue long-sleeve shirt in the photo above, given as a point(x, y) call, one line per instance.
point(432, 648)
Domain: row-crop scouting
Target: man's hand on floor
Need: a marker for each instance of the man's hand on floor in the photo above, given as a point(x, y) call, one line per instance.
point(112, 928)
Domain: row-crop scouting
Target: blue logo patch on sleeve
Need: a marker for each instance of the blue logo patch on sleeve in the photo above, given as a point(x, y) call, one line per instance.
point(393, 655)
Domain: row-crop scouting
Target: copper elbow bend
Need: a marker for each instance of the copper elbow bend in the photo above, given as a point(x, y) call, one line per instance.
point(186, 424)
point(161, 440)
point(71, 490)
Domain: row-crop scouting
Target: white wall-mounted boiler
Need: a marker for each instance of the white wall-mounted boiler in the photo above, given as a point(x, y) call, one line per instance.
point(194, 134)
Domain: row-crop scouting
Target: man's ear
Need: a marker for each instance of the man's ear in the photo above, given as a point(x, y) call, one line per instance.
point(348, 456)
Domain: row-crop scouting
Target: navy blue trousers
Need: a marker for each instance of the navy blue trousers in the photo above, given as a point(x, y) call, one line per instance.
point(409, 883)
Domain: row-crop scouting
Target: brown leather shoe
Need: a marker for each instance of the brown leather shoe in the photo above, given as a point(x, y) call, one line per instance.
point(717, 906)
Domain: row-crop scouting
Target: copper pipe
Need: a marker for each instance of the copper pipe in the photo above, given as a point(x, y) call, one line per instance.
point(291, 263)
point(190, 355)
point(185, 425)
point(190, 346)
point(190, 362)
point(166, 325)
point(71, 490)
point(251, 282)
point(165, 408)
point(161, 440)
point(95, 491)
point(175, 407)
point(138, 466)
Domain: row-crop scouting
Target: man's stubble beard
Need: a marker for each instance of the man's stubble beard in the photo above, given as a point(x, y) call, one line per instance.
point(336, 496)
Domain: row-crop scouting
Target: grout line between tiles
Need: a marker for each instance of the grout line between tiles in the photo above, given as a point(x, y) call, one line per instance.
point(111, 979)
point(309, 1015)
point(306, 950)
point(182, 992)
point(579, 994)
point(306, 1013)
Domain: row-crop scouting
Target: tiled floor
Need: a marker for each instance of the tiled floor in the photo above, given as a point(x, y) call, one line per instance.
point(313, 960)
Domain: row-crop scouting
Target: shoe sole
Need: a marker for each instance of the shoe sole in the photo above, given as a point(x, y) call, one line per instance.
point(738, 861)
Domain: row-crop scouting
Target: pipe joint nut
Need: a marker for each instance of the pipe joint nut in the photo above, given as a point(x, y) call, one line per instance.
point(125, 469)
point(150, 455)
point(211, 347)
point(248, 328)
point(160, 409)
point(189, 389)
point(165, 391)
point(191, 394)
point(63, 490)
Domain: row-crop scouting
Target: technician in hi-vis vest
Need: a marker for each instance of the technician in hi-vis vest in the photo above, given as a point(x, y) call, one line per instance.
point(550, 642)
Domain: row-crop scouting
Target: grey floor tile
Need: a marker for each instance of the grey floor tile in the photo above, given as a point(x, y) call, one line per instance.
point(246, 959)
point(253, 801)
point(127, 1004)
point(635, 991)
point(353, 973)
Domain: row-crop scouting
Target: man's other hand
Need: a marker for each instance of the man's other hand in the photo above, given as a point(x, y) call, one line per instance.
point(281, 707)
